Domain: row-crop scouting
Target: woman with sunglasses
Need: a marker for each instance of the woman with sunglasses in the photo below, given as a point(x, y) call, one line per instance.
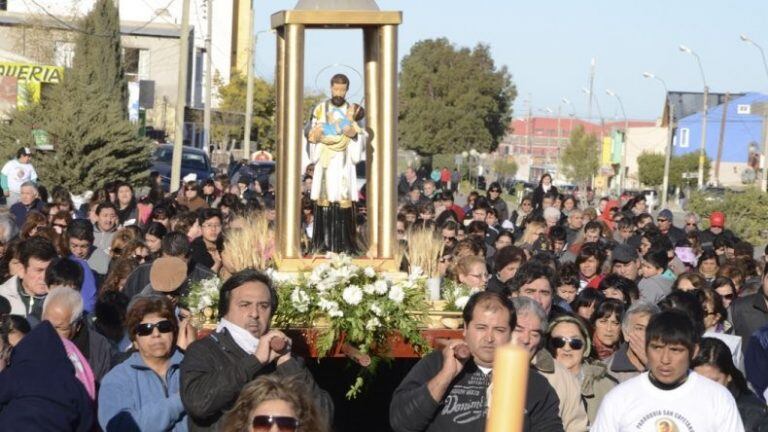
point(271, 403)
point(497, 202)
point(142, 393)
point(569, 343)
point(727, 290)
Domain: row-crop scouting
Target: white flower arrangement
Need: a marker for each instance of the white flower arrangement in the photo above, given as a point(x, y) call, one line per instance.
point(359, 305)
point(203, 298)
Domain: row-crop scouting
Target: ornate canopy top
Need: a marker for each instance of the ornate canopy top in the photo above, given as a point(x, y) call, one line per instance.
point(337, 5)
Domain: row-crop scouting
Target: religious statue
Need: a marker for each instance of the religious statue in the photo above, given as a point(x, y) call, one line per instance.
point(336, 144)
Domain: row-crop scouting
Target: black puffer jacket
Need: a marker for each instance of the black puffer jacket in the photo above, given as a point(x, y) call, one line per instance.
point(754, 413)
point(215, 369)
point(464, 406)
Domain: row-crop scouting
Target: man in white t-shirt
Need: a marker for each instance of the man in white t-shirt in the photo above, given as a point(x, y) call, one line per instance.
point(669, 397)
point(15, 173)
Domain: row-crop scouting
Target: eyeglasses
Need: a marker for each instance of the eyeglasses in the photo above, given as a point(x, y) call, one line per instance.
point(690, 224)
point(728, 296)
point(146, 329)
point(483, 276)
point(263, 423)
point(141, 258)
point(559, 342)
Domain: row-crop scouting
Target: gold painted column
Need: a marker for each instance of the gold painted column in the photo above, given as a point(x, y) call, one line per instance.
point(291, 85)
point(387, 140)
point(371, 54)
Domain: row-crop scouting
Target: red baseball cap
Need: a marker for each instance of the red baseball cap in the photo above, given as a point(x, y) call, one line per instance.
point(717, 219)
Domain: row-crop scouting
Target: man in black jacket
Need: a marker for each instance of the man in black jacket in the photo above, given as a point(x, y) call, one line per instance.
point(216, 368)
point(751, 312)
point(447, 394)
point(175, 244)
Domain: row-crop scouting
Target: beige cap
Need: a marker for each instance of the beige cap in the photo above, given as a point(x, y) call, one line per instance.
point(167, 274)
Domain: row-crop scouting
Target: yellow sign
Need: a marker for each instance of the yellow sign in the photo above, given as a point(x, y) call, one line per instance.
point(32, 73)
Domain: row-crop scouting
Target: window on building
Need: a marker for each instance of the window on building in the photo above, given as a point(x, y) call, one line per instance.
point(63, 53)
point(685, 135)
point(136, 64)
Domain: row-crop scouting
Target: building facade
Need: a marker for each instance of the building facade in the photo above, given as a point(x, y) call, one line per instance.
point(734, 138)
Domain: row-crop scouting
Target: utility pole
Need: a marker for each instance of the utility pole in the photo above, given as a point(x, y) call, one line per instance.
point(181, 98)
point(703, 147)
point(721, 139)
point(668, 153)
point(249, 89)
point(208, 78)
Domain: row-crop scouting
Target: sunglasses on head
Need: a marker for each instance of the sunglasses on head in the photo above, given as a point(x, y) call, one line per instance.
point(146, 329)
point(263, 423)
point(559, 342)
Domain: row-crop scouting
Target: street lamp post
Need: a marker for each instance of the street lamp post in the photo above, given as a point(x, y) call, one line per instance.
point(670, 138)
point(625, 144)
point(746, 39)
point(704, 109)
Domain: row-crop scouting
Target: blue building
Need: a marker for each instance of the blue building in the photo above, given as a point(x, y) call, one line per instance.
point(741, 136)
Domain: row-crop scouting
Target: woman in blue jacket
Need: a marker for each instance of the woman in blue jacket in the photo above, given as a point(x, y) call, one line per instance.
point(142, 393)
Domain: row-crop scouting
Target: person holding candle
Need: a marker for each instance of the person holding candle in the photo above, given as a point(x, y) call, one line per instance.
point(447, 392)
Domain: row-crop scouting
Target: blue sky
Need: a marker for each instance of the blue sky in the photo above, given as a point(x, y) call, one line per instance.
point(547, 46)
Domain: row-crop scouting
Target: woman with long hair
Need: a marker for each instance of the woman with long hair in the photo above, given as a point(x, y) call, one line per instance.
point(606, 322)
point(272, 402)
point(714, 361)
point(125, 201)
point(590, 261)
point(545, 185)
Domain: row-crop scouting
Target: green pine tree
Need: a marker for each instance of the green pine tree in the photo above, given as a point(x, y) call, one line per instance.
point(86, 115)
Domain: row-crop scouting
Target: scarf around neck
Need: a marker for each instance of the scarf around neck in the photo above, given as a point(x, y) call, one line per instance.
point(242, 337)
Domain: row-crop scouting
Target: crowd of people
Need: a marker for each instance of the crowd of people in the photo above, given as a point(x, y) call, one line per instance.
point(630, 322)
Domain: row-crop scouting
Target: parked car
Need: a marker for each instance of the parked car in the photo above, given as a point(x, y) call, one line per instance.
point(193, 160)
point(254, 170)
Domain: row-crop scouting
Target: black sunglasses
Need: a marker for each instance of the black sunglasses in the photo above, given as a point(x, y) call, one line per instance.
point(559, 342)
point(728, 296)
point(146, 329)
point(263, 423)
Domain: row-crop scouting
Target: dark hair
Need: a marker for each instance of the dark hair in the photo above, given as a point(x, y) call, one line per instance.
point(608, 307)
point(558, 233)
point(145, 305)
point(541, 179)
point(628, 287)
point(208, 214)
point(589, 250)
point(477, 227)
point(687, 303)
point(673, 327)
point(340, 79)
point(707, 295)
point(593, 225)
point(507, 255)
point(722, 280)
point(587, 297)
point(156, 229)
point(175, 244)
point(110, 310)
point(657, 257)
point(105, 205)
point(531, 271)
point(239, 279)
point(568, 274)
point(708, 253)
point(721, 240)
point(487, 298)
point(64, 272)
point(625, 223)
point(36, 247)
point(714, 352)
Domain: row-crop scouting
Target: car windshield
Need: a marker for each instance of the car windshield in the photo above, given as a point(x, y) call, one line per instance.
point(193, 161)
